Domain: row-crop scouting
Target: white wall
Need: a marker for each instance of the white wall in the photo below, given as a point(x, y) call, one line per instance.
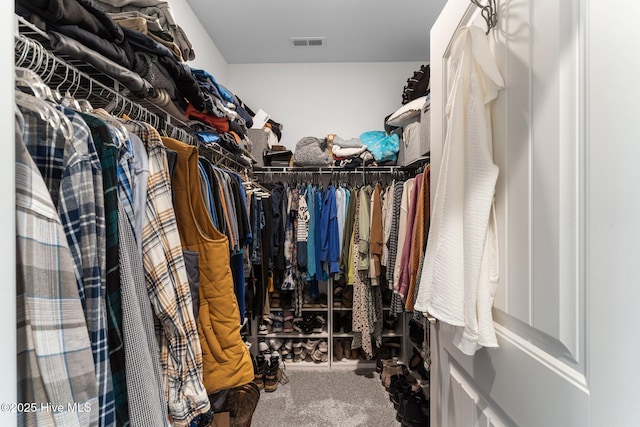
point(8, 369)
point(318, 99)
point(208, 56)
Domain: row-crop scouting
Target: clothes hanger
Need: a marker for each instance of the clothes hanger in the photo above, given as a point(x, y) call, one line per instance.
point(489, 13)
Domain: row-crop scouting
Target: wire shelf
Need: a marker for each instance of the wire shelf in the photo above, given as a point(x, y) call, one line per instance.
point(80, 80)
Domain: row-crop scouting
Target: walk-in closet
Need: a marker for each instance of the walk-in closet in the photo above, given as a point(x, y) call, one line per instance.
point(283, 213)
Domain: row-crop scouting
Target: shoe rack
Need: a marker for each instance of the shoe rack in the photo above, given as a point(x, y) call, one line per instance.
point(302, 342)
point(335, 331)
point(341, 313)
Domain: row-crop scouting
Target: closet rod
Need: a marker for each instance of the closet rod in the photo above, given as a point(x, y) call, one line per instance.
point(331, 170)
point(79, 80)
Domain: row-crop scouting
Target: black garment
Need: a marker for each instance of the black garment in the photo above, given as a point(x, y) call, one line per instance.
point(144, 42)
point(235, 126)
point(132, 80)
point(172, 163)
point(278, 193)
point(184, 80)
point(121, 54)
point(244, 228)
point(74, 12)
point(267, 233)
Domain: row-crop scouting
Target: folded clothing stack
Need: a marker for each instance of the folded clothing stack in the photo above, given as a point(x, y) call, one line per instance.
point(350, 153)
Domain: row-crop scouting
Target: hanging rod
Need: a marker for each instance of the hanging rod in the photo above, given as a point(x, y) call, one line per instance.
point(332, 170)
point(81, 81)
point(489, 13)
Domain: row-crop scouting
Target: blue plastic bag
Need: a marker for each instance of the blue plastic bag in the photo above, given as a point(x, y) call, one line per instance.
point(383, 147)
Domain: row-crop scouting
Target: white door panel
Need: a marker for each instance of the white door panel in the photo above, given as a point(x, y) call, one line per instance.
point(538, 145)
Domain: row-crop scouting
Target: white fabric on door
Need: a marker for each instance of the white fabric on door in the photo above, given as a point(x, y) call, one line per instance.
point(460, 269)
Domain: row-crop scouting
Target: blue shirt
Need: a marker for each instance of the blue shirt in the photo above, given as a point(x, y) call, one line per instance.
point(311, 247)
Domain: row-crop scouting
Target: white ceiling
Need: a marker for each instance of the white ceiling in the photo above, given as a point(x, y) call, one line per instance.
point(258, 31)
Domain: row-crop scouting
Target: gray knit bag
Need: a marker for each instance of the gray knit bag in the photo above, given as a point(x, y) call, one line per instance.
point(311, 151)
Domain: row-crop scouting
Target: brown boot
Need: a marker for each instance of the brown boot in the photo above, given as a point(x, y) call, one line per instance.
point(272, 375)
point(259, 369)
point(248, 396)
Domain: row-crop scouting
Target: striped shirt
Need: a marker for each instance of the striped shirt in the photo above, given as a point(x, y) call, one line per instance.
point(108, 153)
point(74, 180)
point(168, 288)
point(54, 356)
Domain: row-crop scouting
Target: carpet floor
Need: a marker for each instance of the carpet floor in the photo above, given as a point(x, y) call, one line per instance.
point(323, 399)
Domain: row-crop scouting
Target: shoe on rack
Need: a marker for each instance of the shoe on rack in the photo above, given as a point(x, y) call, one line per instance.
point(263, 329)
point(274, 301)
point(346, 348)
point(262, 345)
point(277, 326)
point(275, 343)
point(390, 323)
point(337, 322)
point(321, 300)
point(323, 346)
point(416, 333)
point(307, 301)
point(318, 324)
point(337, 297)
point(311, 345)
point(347, 296)
point(272, 374)
point(416, 363)
point(347, 322)
point(287, 326)
point(337, 350)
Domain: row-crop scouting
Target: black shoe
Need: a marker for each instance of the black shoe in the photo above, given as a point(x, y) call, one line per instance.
point(272, 375)
point(259, 370)
point(416, 333)
point(337, 322)
point(416, 411)
point(347, 322)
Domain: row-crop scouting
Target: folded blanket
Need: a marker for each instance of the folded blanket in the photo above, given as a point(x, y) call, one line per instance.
point(347, 152)
point(347, 143)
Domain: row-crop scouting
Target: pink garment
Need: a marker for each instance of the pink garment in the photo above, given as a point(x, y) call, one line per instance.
point(405, 260)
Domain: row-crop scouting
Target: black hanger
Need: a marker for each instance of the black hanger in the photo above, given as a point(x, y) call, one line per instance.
point(489, 13)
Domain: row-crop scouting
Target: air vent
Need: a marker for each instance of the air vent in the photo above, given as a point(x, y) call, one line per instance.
point(307, 41)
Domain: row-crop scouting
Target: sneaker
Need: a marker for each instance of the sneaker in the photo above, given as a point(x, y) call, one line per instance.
point(311, 345)
point(287, 326)
point(307, 301)
point(275, 343)
point(323, 347)
point(318, 324)
point(277, 326)
point(262, 345)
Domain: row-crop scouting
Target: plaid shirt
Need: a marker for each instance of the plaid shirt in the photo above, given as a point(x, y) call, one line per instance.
point(108, 153)
point(74, 178)
point(54, 359)
point(166, 277)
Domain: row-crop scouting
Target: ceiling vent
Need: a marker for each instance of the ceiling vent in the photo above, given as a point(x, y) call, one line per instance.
point(307, 41)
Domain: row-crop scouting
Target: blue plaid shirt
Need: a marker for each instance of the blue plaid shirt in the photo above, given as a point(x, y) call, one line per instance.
point(74, 179)
point(54, 358)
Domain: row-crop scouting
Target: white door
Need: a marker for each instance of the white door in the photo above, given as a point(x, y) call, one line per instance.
point(568, 207)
